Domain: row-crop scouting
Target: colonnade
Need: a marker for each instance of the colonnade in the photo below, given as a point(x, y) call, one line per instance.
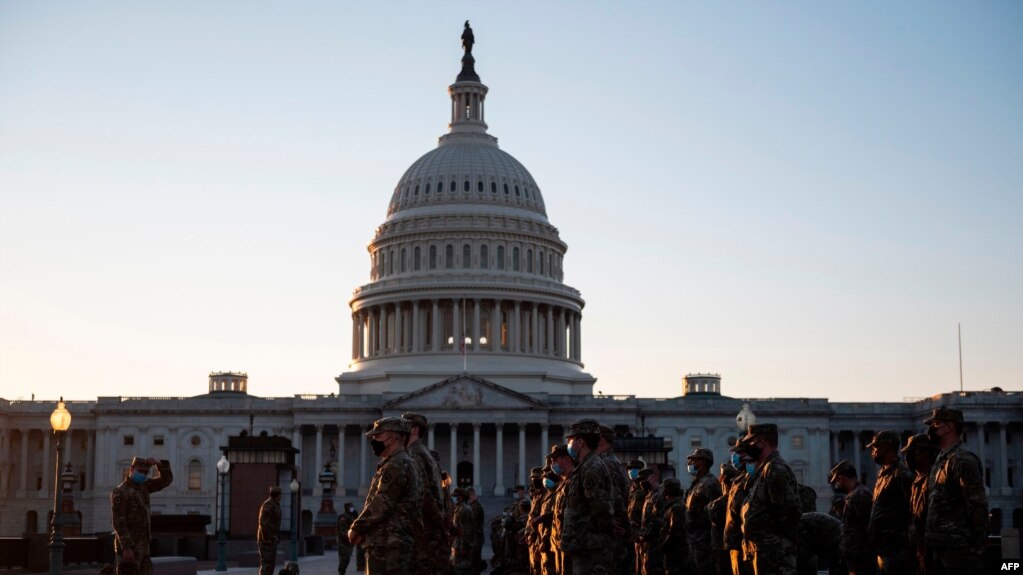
point(494, 325)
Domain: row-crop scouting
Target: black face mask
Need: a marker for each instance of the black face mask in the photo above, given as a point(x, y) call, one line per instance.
point(754, 451)
point(378, 446)
point(878, 459)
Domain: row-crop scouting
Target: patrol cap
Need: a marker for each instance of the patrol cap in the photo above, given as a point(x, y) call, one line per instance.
point(739, 446)
point(460, 492)
point(645, 473)
point(416, 419)
point(885, 438)
point(920, 441)
point(702, 453)
point(274, 490)
point(727, 471)
point(756, 430)
point(945, 414)
point(672, 487)
point(140, 462)
point(607, 433)
point(535, 472)
point(635, 464)
point(559, 450)
point(842, 469)
point(395, 424)
point(585, 426)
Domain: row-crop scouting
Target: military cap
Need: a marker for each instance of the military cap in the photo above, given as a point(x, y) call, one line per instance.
point(535, 472)
point(727, 471)
point(645, 473)
point(843, 469)
point(702, 453)
point(607, 433)
point(416, 419)
point(945, 414)
point(460, 492)
point(739, 446)
point(920, 441)
point(672, 487)
point(274, 490)
point(140, 462)
point(395, 424)
point(883, 438)
point(559, 450)
point(585, 426)
point(635, 464)
point(758, 429)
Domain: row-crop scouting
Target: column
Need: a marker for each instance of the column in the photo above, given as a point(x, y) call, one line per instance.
point(534, 330)
point(454, 454)
point(371, 333)
point(981, 448)
point(456, 324)
point(578, 339)
point(398, 334)
point(476, 456)
point(1003, 464)
point(560, 342)
point(548, 337)
point(355, 336)
point(499, 453)
point(476, 324)
point(834, 450)
point(363, 448)
point(99, 472)
point(545, 446)
point(87, 464)
point(341, 460)
point(382, 331)
point(415, 326)
point(495, 326)
point(517, 322)
point(522, 454)
point(362, 333)
point(296, 442)
point(430, 436)
point(435, 320)
point(46, 460)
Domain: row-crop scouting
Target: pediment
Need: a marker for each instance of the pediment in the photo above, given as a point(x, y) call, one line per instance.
point(464, 392)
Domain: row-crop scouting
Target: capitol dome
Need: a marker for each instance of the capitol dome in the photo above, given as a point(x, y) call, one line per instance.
point(466, 273)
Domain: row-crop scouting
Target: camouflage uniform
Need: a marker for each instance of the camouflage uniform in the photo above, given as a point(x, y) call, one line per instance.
point(921, 444)
point(674, 543)
point(619, 505)
point(704, 490)
point(856, 548)
point(464, 545)
point(637, 498)
point(819, 538)
point(430, 553)
point(269, 532)
point(770, 515)
point(956, 526)
point(717, 510)
point(392, 510)
point(536, 498)
point(545, 525)
point(889, 518)
point(587, 528)
point(732, 536)
point(478, 522)
point(652, 560)
point(344, 546)
point(562, 563)
point(129, 507)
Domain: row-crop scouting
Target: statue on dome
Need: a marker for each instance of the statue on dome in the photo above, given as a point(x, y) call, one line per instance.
point(467, 39)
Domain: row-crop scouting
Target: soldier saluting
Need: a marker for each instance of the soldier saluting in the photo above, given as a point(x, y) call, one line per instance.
point(129, 506)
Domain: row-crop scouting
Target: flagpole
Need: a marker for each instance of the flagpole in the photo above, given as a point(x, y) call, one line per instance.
point(959, 330)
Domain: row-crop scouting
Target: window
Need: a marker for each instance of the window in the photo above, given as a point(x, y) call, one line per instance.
point(129, 440)
point(417, 190)
point(696, 441)
point(529, 261)
point(517, 191)
point(506, 189)
point(797, 441)
point(433, 257)
point(404, 256)
point(479, 185)
point(550, 264)
point(515, 259)
point(454, 186)
point(800, 475)
point(194, 475)
point(541, 263)
point(449, 256)
point(493, 187)
point(500, 257)
point(466, 256)
point(196, 440)
point(484, 256)
point(390, 263)
point(466, 187)
point(157, 440)
point(416, 254)
point(427, 189)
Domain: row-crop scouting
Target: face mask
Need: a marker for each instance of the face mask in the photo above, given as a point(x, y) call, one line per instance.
point(378, 446)
point(751, 468)
point(877, 458)
point(691, 469)
point(932, 433)
point(633, 474)
point(737, 461)
point(517, 496)
point(454, 500)
point(549, 483)
point(556, 468)
point(572, 452)
point(138, 477)
point(754, 451)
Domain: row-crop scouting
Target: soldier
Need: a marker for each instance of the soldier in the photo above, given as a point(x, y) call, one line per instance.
point(732, 537)
point(563, 465)
point(391, 514)
point(344, 546)
point(129, 507)
point(431, 552)
point(957, 514)
point(478, 522)
point(820, 536)
point(889, 516)
point(536, 496)
point(674, 543)
point(544, 523)
point(920, 454)
point(704, 489)
point(463, 548)
point(717, 511)
point(623, 559)
point(857, 551)
point(651, 558)
point(588, 529)
point(771, 512)
point(269, 531)
point(637, 496)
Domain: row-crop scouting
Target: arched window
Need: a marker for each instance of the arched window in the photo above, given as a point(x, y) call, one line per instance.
point(416, 192)
point(529, 261)
point(427, 187)
point(517, 193)
point(404, 257)
point(479, 185)
point(31, 522)
point(506, 189)
point(454, 186)
point(390, 263)
point(550, 264)
point(541, 262)
point(449, 256)
point(515, 259)
point(500, 257)
point(466, 256)
point(493, 187)
point(466, 187)
point(194, 475)
point(416, 254)
point(484, 256)
point(433, 257)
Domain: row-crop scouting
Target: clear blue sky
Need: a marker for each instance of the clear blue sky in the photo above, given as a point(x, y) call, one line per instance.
point(804, 197)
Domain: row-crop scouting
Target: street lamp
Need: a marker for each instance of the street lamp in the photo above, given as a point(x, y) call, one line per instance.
point(60, 421)
point(223, 466)
point(295, 486)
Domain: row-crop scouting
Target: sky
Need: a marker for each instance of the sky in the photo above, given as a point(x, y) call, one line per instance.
point(805, 197)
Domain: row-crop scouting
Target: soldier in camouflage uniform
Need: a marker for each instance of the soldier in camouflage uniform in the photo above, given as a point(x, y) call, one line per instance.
point(563, 465)
point(536, 496)
point(430, 554)
point(392, 513)
point(957, 514)
point(819, 538)
point(269, 531)
point(622, 561)
point(637, 496)
point(704, 489)
point(857, 551)
point(674, 543)
point(129, 507)
point(920, 455)
point(344, 546)
point(463, 547)
point(732, 536)
point(771, 511)
point(651, 558)
point(544, 524)
point(478, 522)
point(718, 511)
point(588, 528)
point(889, 516)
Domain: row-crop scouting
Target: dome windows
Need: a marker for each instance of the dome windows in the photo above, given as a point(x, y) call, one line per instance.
point(516, 264)
point(485, 256)
point(529, 261)
point(500, 249)
point(506, 188)
point(493, 187)
point(541, 262)
point(454, 186)
point(416, 255)
point(479, 185)
point(449, 256)
point(404, 257)
point(467, 186)
point(517, 193)
point(433, 257)
point(467, 255)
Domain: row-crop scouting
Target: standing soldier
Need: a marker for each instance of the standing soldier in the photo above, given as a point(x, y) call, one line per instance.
point(889, 516)
point(544, 524)
point(718, 510)
point(920, 454)
point(622, 561)
point(344, 546)
point(463, 547)
point(674, 543)
point(478, 522)
point(956, 503)
point(536, 497)
point(651, 558)
point(637, 496)
point(704, 489)
point(771, 512)
point(588, 528)
point(431, 555)
point(392, 510)
point(269, 531)
point(129, 507)
point(733, 515)
point(857, 551)
point(820, 536)
point(561, 464)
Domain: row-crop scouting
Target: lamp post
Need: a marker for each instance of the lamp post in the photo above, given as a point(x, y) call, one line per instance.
point(295, 486)
point(60, 421)
point(223, 466)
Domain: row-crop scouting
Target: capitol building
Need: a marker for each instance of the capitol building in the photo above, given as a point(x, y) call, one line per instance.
point(467, 319)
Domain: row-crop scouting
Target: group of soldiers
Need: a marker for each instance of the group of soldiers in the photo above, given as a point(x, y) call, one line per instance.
point(586, 512)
